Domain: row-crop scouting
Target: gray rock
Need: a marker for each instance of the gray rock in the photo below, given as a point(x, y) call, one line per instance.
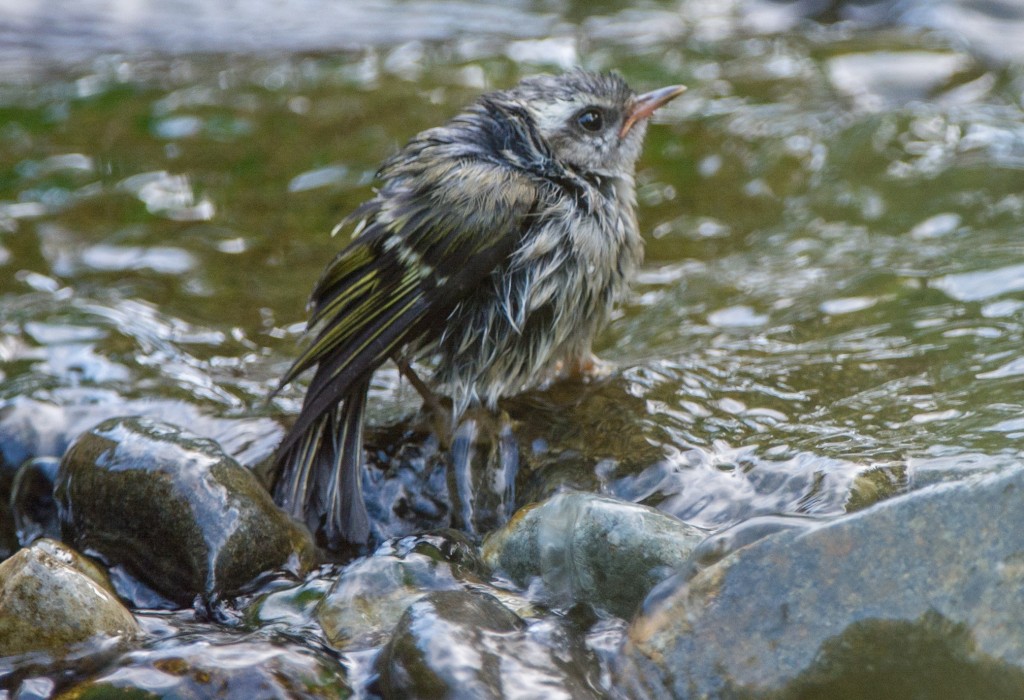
point(52, 598)
point(461, 644)
point(371, 593)
point(175, 510)
point(590, 548)
point(919, 596)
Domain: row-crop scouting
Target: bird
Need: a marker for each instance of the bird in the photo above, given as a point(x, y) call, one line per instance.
point(492, 253)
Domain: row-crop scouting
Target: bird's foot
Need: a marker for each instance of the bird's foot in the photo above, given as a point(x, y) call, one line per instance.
point(587, 368)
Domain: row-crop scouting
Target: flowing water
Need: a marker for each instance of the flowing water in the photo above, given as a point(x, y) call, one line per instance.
point(831, 309)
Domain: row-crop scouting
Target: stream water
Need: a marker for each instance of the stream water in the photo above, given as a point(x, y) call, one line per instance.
point(831, 309)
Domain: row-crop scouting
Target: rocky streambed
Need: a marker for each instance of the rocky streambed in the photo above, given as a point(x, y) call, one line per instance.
point(208, 589)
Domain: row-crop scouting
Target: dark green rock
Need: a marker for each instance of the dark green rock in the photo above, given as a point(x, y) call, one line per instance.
point(461, 644)
point(919, 596)
point(175, 510)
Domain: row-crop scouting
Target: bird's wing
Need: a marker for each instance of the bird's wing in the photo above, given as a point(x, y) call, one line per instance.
point(431, 236)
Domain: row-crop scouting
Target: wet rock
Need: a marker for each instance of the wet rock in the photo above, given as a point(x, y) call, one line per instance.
point(32, 505)
point(291, 607)
point(371, 594)
point(591, 548)
point(44, 425)
point(174, 510)
point(211, 667)
point(52, 598)
point(461, 644)
point(721, 544)
point(917, 596)
point(576, 434)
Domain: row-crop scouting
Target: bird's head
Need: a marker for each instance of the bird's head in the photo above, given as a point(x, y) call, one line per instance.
point(593, 122)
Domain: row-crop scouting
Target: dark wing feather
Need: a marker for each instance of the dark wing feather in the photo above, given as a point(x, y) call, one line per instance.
point(321, 477)
point(431, 236)
point(399, 279)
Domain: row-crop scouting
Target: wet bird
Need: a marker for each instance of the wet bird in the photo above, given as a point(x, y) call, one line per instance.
point(492, 253)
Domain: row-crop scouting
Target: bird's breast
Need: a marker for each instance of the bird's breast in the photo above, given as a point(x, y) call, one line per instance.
point(543, 307)
point(580, 257)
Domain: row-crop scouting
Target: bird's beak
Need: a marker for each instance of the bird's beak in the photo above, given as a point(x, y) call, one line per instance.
point(644, 105)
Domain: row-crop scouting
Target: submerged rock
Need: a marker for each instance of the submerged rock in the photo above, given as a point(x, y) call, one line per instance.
point(42, 427)
point(175, 510)
point(370, 594)
point(461, 644)
point(52, 598)
point(291, 607)
point(221, 668)
point(918, 596)
point(593, 549)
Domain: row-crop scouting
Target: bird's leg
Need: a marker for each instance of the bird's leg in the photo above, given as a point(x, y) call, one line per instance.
point(440, 415)
point(484, 456)
point(484, 465)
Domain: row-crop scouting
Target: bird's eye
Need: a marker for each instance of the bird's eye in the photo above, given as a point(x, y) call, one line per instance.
point(591, 119)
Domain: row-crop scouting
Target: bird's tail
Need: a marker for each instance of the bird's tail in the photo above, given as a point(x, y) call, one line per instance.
point(320, 478)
